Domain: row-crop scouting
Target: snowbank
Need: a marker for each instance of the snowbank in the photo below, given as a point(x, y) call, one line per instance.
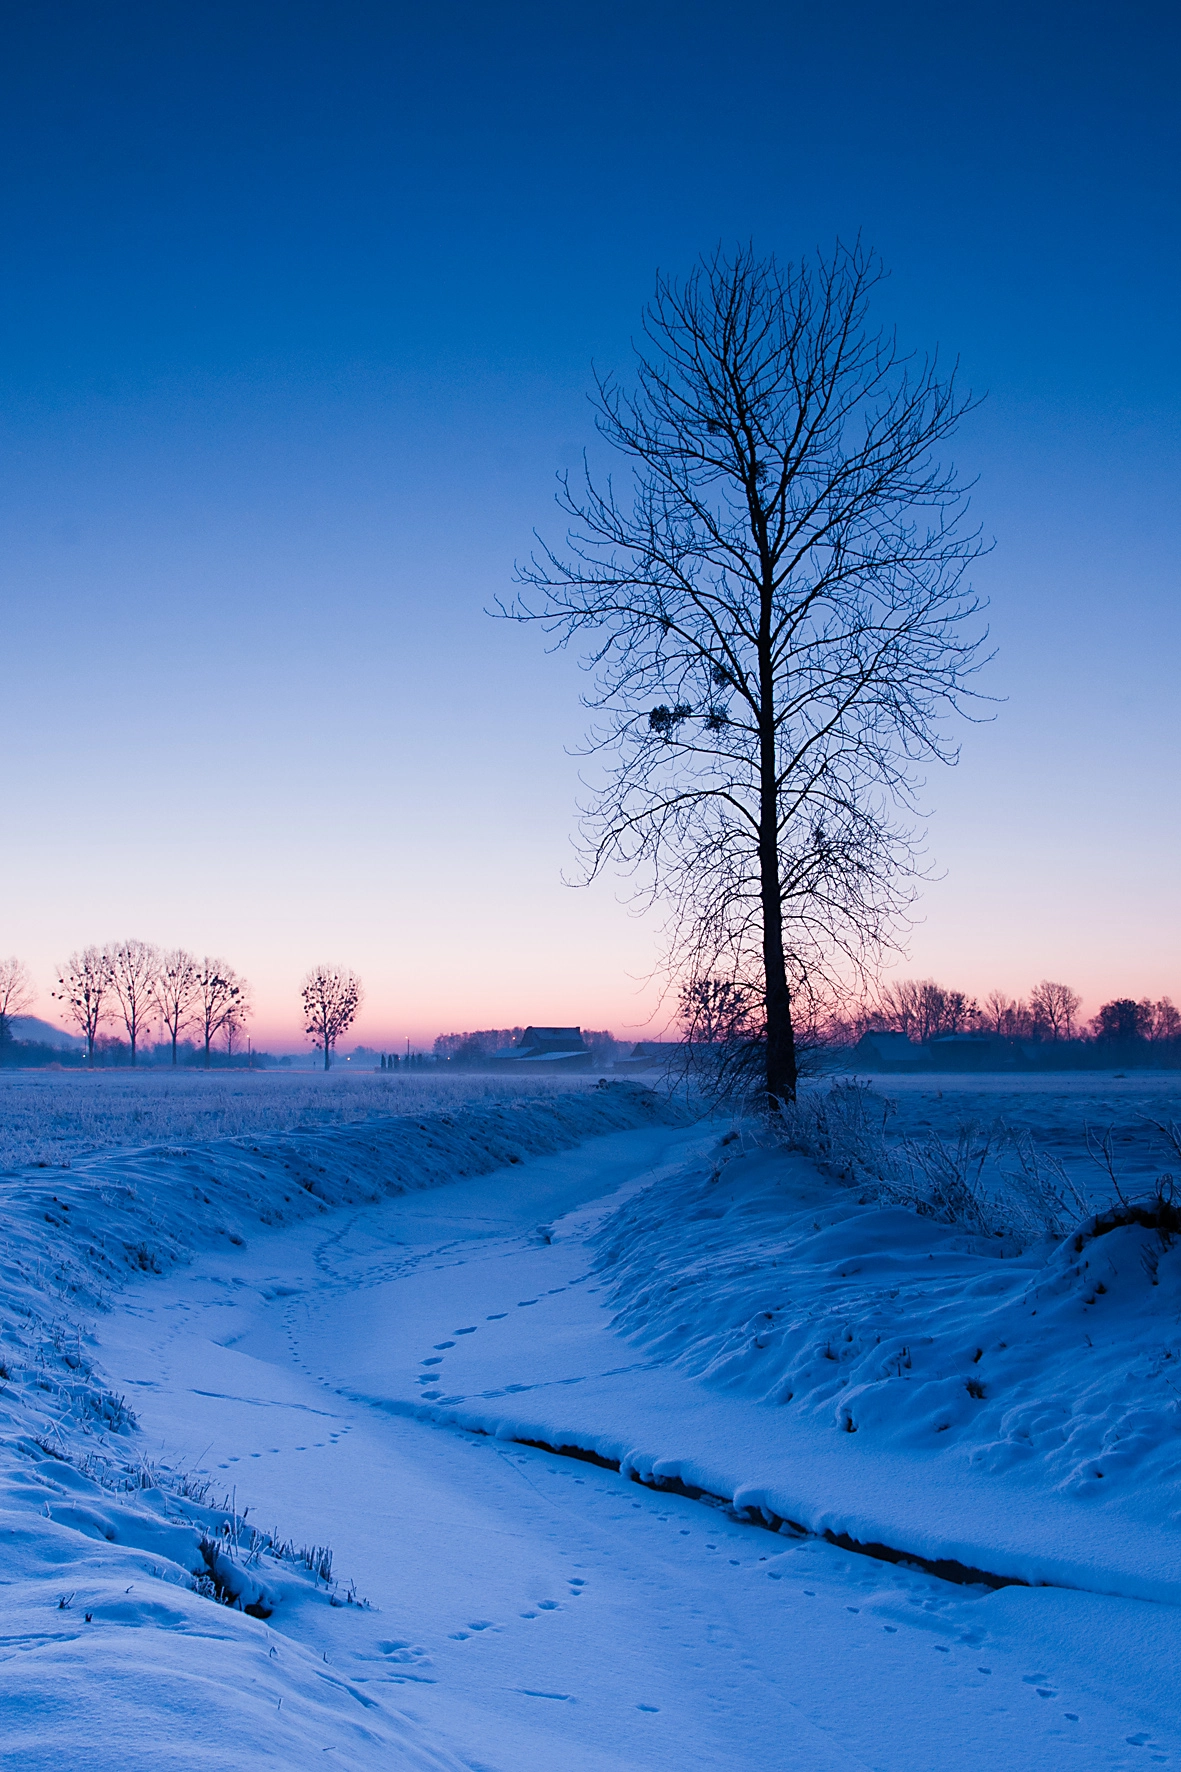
point(1061, 1364)
point(111, 1658)
point(112, 1584)
point(55, 1117)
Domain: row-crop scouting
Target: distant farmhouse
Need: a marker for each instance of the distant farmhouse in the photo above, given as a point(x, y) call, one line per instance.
point(878, 1050)
point(882, 1051)
point(648, 1055)
point(545, 1049)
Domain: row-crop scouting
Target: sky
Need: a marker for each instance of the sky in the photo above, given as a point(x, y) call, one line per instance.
point(300, 308)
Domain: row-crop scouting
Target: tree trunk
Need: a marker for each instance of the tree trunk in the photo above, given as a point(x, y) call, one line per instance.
point(327, 1054)
point(174, 1049)
point(782, 1070)
point(208, 1042)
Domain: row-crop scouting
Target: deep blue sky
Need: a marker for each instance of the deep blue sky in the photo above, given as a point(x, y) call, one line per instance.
point(299, 308)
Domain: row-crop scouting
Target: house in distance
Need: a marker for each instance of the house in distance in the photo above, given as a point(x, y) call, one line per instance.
point(545, 1049)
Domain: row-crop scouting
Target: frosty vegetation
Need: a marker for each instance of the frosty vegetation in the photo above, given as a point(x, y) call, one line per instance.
point(986, 1178)
point(52, 1118)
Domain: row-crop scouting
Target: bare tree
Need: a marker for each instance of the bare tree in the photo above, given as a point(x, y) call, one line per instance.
point(134, 968)
point(998, 1007)
point(220, 996)
point(1054, 1007)
point(234, 1026)
point(921, 1009)
point(84, 986)
point(176, 992)
point(16, 994)
point(331, 998)
point(777, 621)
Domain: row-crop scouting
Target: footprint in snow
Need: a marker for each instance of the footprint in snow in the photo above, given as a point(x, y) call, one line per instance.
point(496, 1317)
point(435, 1360)
point(470, 1331)
point(648, 1707)
point(522, 1302)
point(440, 1345)
point(548, 1606)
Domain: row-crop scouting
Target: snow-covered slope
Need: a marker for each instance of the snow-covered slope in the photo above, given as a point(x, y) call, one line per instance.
point(111, 1573)
point(1060, 1365)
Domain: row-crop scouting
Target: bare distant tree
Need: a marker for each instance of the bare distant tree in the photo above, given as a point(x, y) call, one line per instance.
point(84, 986)
point(921, 1009)
point(16, 993)
point(998, 1007)
point(778, 623)
point(134, 968)
point(1054, 1007)
point(220, 994)
point(234, 1026)
point(176, 992)
point(331, 998)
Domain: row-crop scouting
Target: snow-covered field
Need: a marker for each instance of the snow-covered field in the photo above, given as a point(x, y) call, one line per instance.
point(52, 1117)
point(350, 1331)
point(1064, 1112)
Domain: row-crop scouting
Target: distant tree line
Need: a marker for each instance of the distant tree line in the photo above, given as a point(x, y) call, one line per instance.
point(474, 1049)
point(924, 1010)
point(137, 987)
point(722, 1016)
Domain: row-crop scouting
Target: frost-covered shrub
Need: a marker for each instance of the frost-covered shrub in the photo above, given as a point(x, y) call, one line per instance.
point(992, 1180)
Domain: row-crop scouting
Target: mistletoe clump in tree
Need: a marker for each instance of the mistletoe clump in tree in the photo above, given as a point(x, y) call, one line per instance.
point(331, 998)
point(778, 622)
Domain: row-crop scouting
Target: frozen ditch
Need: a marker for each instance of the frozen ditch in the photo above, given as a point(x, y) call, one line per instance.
point(528, 1609)
point(113, 1564)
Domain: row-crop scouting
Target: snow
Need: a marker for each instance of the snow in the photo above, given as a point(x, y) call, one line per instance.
point(1064, 1111)
point(52, 1118)
point(592, 1272)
